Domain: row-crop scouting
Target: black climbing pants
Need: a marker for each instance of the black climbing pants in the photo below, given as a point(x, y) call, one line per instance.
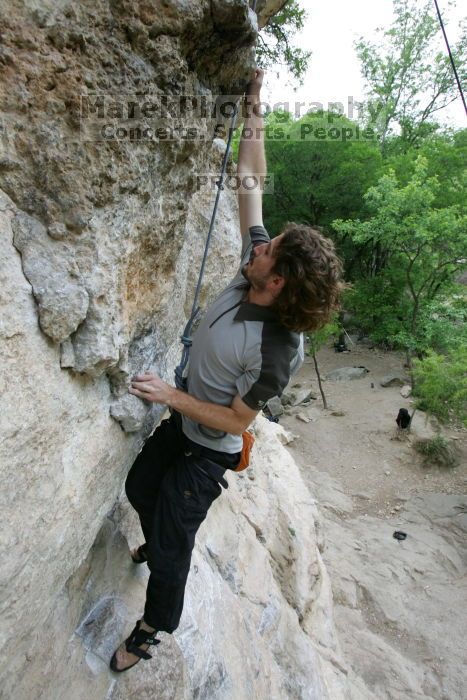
point(171, 485)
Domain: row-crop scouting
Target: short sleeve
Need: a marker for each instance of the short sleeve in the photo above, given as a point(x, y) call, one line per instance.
point(269, 368)
point(255, 236)
point(297, 360)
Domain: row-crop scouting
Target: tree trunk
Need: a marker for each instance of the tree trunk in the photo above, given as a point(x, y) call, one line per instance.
point(411, 417)
point(319, 381)
point(408, 360)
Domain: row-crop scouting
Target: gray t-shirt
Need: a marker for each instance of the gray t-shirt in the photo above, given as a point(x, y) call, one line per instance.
point(239, 348)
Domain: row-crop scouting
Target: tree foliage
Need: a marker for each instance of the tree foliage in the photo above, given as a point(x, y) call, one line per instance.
point(276, 46)
point(441, 384)
point(423, 249)
point(408, 73)
point(446, 158)
point(316, 179)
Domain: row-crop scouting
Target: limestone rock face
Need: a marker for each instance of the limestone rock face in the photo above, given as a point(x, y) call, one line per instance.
point(103, 225)
point(101, 241)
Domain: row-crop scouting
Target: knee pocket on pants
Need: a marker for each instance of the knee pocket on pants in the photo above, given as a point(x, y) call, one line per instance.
point(199, 502)
point(195, 489)
point(201, 497)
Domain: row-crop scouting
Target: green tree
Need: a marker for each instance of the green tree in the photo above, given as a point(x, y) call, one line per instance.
point(316, 179)
point(316, 340)
point(424, 249)
point(275, 46)
point(446, 158)
point(441, 384)
point(408, 73)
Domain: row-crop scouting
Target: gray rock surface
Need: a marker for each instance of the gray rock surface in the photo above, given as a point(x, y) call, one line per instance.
point(393, 380)
point(395, 600)
point(344, 374)
point(57, 283)
point(274, 405)
point(295, 396)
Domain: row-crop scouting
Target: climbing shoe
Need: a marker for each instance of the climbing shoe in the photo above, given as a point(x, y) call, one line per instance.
point(138, 555)
point(132, 645)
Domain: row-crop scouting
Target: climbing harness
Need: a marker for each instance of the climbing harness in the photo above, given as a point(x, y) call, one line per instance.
point(180, 380)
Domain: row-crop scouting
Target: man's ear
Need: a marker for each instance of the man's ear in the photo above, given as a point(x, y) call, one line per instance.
point(277, 284)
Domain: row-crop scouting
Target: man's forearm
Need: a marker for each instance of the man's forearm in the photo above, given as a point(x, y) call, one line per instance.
point(251, 155)
point(211, 415)
point(234, 419)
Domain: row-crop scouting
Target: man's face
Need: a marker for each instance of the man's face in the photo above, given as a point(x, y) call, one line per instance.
point(258, 270)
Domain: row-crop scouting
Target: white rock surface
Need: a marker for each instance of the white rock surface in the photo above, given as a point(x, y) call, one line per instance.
point(399, 605)
point(344, 374)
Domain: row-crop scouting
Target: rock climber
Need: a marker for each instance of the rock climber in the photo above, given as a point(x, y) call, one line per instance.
point(244, 351)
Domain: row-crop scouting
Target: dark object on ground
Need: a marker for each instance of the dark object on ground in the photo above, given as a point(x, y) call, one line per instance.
point(340, 348)
point(273, 419)
point(340, 345)
point(403, 418)
point(139, 555)
point(269, 415)
point(132, 644)
point(399, 535)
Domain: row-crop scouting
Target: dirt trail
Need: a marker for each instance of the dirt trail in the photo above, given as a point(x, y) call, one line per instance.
point(400, 606)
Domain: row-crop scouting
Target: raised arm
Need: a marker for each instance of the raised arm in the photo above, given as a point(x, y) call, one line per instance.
point(251, 157)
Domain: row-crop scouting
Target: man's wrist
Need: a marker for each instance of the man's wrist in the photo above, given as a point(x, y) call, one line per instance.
point(254, 93)
point(252, 106)
point(172, 398)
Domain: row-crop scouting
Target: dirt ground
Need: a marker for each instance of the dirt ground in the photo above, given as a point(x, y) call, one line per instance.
point(400, 607)
point(362, 445)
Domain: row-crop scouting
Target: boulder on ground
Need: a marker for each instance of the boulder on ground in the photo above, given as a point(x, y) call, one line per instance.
point(274, 406)
point(344, 374)
point(393, 380)
point(303, 417)
point(297, 396)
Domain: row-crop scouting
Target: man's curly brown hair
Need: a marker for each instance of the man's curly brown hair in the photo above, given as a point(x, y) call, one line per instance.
point(313, 278)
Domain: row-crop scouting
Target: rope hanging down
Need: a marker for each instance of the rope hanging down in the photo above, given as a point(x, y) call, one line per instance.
point(180, 380)
point(451, 56)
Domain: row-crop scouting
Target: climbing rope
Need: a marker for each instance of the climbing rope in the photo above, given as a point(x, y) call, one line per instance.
point(180, 380)
point(451, 56)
